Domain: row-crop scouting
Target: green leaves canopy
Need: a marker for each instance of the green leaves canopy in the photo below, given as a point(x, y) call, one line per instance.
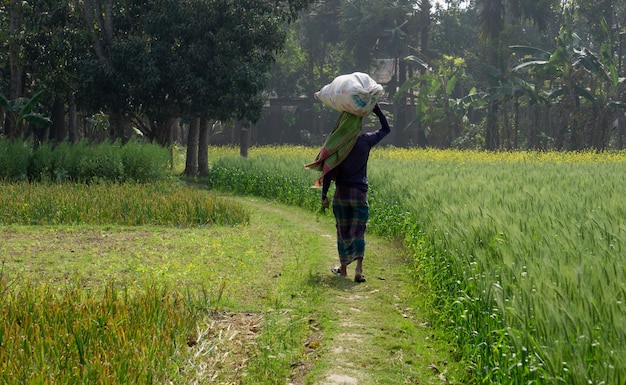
point(170, 57)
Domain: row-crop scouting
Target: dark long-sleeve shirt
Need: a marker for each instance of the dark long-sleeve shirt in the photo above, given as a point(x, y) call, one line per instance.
point(352, 172)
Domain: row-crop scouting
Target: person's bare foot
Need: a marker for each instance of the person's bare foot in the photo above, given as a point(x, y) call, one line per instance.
point(359, 278)
point(340, 271)
point(358, 271)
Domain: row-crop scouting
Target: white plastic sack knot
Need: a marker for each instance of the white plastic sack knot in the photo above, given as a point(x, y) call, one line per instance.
point(356, 93)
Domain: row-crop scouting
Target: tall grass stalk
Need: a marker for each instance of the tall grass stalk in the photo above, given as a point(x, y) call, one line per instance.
point(272, 173)
point(523, 252)
point(67, 336)
point(161, 203)
point(14, 160)
point(83, 162)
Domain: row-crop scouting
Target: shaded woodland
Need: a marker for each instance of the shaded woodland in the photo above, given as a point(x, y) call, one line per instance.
point(481, 74)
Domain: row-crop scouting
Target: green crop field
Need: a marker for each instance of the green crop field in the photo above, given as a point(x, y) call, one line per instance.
point(522, 253)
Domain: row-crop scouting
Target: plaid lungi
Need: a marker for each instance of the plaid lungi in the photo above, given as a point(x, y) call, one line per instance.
point(351, 215)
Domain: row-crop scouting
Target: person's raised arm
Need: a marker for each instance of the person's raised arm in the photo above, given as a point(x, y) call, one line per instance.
point(382, 118)
point(325, 187)
point(374, 137)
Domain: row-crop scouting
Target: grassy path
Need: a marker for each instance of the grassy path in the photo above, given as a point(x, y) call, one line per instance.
point(278, 315)
point(369, 333)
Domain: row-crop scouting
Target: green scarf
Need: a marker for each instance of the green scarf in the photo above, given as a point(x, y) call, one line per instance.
point(338, 145)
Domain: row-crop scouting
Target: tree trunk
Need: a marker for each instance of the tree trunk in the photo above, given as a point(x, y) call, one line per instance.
point(491, 131)
point(72, 120)
point(361, 58)
point(244, 138)
point(310, 81)
point(15, 129)
point(92, 15)
point(601, 124)
point(425, 10)
point(59, 128)
point(2, 118)
point(162, 130)
point(621, 122)
point(506, 127)
point(191, 163)
point(534, 125)
point(203, 147)
point(516, 125)
point(400, 110)
point(116, 126)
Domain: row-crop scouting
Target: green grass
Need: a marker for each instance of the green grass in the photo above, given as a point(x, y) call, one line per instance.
point(113, 304)
point(84, 162)
point(63, 336)
point(521, 256)
point(527, 262)
point(119, 304)
point(522, 253)
point(161, 203)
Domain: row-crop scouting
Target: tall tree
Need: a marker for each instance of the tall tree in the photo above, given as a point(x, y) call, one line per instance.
point(377, 28)
point(118, 60)
point(320, 35)
point(287, 77)
point(160, 59)
point(191, 160)
point(347, 36)
point(228, 50)
point(16, 65)
point(588, 13)
point(54, 43)
point(493, 16)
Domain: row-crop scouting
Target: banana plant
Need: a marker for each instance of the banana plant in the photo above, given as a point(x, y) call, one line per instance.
point(615, 83)
point(561, 67)
point(437, 111)
point(516, 90)
point(565, 64)
point(574, 73)
point(22, 110)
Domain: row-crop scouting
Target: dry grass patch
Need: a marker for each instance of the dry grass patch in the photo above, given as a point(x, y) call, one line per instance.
point(221, 347)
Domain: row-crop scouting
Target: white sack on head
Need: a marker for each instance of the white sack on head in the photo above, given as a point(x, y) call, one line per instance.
point(356, 93)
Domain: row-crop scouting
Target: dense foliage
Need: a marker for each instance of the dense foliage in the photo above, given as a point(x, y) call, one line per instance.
point(496, 74)
point(148, 62)
point(82, 162)
point(457, 75)
point(521, 253)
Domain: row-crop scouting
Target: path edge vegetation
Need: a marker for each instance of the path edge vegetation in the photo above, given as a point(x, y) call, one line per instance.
point(101, 201)
point(282, 183)
point(456, 223)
